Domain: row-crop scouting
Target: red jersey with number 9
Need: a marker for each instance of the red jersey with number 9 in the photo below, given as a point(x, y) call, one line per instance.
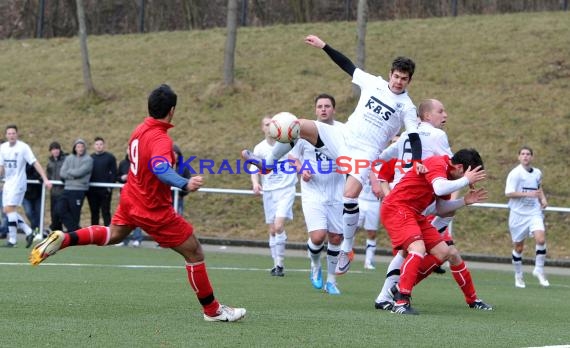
point(149, 145)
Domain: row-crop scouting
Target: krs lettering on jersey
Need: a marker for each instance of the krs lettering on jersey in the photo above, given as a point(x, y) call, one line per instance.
point(378, 107)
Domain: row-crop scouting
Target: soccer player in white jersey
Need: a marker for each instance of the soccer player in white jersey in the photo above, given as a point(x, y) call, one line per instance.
point(14, 154)
point(383, 109)
point(526, 202)
point(321, 192)
point(433, 117)
point(278, 196)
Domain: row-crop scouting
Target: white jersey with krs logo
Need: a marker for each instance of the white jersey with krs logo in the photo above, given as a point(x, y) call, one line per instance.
point(326, 185)
point(282, 176)
point(14, 159)
point(380, 114)
point(434, 143)
point(522, 180)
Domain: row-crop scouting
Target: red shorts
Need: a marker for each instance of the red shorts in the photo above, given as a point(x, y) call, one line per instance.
point(405, 226)
point(166, 227)
point(445, 235)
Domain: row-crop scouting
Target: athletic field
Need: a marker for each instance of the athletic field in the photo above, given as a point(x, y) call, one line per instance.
point(127, 297)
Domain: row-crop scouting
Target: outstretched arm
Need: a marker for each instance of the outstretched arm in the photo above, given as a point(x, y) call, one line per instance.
point(340, 59)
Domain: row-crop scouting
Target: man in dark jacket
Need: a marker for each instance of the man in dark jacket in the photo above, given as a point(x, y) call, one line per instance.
point(104, 171)
point(55, 162)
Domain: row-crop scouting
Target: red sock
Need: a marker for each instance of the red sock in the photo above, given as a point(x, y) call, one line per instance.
point(98, 235)
point(463, 278)
point(200, 283)
point(429, 263)
point(409, 273)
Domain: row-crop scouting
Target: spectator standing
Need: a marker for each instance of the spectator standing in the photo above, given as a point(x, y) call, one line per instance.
point(104, 171)
point(33, 199)
point(55, 162)
point(76, 171)
point(122, 175)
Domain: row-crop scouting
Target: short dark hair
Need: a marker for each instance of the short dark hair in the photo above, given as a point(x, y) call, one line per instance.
point(404, 64)
point(161, 101)
point(11, 126)
point(468, 158)
point(326, 96)
point(98, 139)
point(526, 148)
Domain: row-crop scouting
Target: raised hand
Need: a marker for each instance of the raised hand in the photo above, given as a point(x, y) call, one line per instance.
point(475, 175)
point(476, 196)
point(315, 41)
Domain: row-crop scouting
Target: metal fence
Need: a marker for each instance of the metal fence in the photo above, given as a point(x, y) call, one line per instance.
point(242, 192)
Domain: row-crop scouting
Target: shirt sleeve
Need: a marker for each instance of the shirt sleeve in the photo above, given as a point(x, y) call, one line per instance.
point(511, 185)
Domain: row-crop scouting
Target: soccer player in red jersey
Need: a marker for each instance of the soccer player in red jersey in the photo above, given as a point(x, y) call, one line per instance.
point(146, 202)
point(401, 214)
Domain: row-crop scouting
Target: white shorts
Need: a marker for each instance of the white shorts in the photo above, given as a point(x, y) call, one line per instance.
point(12, 197)
point(355, 161)
point(523, 226)
point(279, 203)
point(320, 216)
point(369, 217)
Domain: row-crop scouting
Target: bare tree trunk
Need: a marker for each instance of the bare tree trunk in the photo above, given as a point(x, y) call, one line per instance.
point(90, 89)
point(362, 17)
point(229, 54)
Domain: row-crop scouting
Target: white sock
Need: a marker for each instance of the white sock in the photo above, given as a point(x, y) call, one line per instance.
point(440, 223)
point(517, 262)
point(280, 240)
point(392, 278)
point(350, 217)
point(540, 257)
point(370, 250)
point(332, 260)
point(314, 252)
point(272, 249)
point(23, 225)
point(12, 227)
point(279, 150)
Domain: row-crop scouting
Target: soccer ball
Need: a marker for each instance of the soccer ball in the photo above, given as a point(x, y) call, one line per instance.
point(284, 127)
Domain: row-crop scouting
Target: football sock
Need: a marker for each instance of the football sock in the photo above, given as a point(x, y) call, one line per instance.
point(409, 272)
point(272, 249)
point(350, 216)
point(200, 283)
point(429, 263)
point(392, 278)
point(23, 225)
point(12, 227)
point(95, 234)
point(517, 262)
point(332, 260)
point(279, 150)
point(441, 223)
point(370, 250)
point(314, 252)
point(280, 240)
point(463, 278)
point(540, 257)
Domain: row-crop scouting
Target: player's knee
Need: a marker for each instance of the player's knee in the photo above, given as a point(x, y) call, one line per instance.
point(335, 239)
